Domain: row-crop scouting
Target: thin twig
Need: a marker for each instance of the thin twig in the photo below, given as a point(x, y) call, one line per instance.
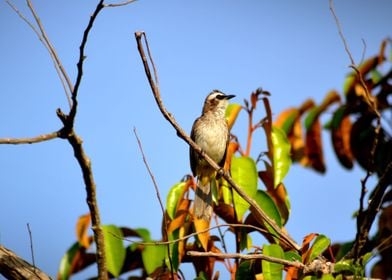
point(363, 221)
point(119, 4)
point(31, 140)
point(158, 195)
point(44, 40)
point(31, 245)
point(261, 215)
point(257, 256)
point(150, 172)
point(154, 243)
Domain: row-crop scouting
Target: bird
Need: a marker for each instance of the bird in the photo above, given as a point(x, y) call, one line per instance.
point(211, 133)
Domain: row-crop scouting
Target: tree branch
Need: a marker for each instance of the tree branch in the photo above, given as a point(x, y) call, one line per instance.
point(14, 267)
point(31, 140)
point(259, 213)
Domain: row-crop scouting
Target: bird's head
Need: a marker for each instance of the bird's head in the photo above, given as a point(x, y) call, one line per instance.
point(216, 102)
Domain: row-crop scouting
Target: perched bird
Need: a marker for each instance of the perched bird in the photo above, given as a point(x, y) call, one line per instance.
point(210, 131)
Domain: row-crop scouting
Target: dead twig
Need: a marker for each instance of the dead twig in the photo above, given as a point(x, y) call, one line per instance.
point(365, 218)
point(158, 195)
point(181, 133)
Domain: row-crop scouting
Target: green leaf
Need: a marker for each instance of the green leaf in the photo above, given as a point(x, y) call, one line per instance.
point(245, 271)
point(244, 173)
point(311, 117)
point(153, 256)
point(327, 277)
point(114, 249)
point(66, 261)
point(172, 198)
point(272, 271)
point(266, 203)
point(282, 151)
point(320, 244)
point(292, 256)
point(173, 251)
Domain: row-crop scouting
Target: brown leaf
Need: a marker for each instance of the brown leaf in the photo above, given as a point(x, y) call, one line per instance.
point(341, 142)
point(314, 148)
point(82, 227)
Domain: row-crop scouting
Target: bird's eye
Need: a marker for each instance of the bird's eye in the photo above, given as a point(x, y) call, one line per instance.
point(220, 96)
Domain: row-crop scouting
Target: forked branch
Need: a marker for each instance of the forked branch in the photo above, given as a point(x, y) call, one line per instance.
point(284, 237)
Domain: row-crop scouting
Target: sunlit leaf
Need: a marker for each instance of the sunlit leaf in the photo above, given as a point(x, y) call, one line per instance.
point(114, 249)
point(272, 271)
point(320, 244)
point(153, 256)
point(173, 196)
point(201, 226)
point(244, 173)
point(82, 227)
point(232, 111)
point(281, 155)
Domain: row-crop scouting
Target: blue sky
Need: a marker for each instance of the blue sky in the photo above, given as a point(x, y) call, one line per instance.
point(290, 48)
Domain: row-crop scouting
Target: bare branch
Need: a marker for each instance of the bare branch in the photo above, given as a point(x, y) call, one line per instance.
point(259, 213)
point(119, 4)
point(14, 267)
point(32, 140)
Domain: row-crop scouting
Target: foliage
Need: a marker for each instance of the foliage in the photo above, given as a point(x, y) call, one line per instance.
point(295, 136)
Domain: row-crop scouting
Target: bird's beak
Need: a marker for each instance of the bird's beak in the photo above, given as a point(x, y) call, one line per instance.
point(230, 96)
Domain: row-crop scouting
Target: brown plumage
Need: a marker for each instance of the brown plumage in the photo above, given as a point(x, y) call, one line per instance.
point(211, 133)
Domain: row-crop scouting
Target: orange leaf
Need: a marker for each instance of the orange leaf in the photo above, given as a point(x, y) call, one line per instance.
point(181, 214)
point(202, 225)
point(305, 246)
point(231, 149)
point(292, 273)
point(82, 227)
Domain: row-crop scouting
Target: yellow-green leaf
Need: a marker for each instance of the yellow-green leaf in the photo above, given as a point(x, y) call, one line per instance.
point(114, 249)
point(281, 158)
point(272, 271)
point(244, 173)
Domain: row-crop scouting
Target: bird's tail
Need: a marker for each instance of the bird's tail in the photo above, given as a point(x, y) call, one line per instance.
point(203, 199)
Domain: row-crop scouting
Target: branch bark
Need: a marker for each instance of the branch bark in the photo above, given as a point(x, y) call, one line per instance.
point(259, 213)
point(14, 267)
